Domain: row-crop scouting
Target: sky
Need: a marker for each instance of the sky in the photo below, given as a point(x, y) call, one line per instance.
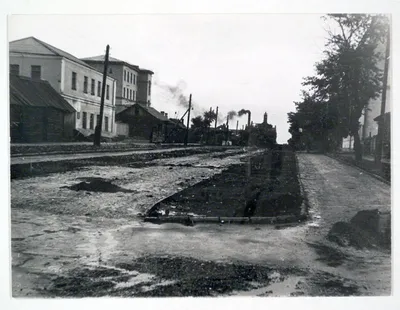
point(234, 61)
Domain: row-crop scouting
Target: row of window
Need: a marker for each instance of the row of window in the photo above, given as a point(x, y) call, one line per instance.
point(92, 86)
point(129, 77)
point(91, 120)
point(36, 71)
point(129, 94)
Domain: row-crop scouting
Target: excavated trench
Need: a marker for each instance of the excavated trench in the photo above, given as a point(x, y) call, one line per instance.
point(264, 187)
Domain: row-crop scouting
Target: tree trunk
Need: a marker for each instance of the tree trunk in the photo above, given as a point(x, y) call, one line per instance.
point(357, 146)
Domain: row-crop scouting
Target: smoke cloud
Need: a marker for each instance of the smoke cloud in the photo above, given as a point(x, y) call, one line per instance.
point(231, 115)
point(176, 92)
point(243, 112)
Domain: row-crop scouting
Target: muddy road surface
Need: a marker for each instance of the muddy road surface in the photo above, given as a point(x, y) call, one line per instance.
point(72, 240)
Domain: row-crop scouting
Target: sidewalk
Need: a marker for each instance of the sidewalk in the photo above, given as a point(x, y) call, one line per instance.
point(368, 164)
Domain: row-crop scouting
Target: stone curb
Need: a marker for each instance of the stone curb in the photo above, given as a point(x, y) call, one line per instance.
point(191, 220)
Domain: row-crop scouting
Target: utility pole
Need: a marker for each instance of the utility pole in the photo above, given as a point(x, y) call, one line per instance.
point(188, 120)
point(216, 118)
point(381, 122)
point(97, 132)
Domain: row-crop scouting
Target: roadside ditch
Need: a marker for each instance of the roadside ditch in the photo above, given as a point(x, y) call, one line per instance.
point(138, 160)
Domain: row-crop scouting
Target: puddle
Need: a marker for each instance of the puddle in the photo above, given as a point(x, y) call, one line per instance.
point(154, 286)
point(140, 278)
point(279, 287)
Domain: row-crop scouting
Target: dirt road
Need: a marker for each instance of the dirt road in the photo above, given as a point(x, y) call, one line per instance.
point(67, 243)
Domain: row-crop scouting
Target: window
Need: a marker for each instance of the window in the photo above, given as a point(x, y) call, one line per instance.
point(78, 115)
point(84, 120)
point(133, 95)
point(134, 79)
point(36, 72)
point(92, 88)
point(131, 78)
point(14, 69)
point(124, 92)
point(124, 75)
point(99, 88)
point(106, 123)
point(85, 84)
point(130, 94)
point(73, 82)
point(108, 92)
point(91, 124)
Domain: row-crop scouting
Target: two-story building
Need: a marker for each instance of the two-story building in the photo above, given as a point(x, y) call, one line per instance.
point(133, 87)
point(78, 83)
point(133, 83)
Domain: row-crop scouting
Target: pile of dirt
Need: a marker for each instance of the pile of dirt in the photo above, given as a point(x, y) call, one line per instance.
point(367, 229)
point(98, 185)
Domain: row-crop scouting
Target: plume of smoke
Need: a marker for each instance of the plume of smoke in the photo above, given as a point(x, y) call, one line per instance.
point(231, 115)
point(176, 92)
point(243, 112)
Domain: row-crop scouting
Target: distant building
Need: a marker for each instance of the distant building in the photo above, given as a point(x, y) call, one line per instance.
point(38, 113)
point(144, 122)
point(133, 83)
point(76, 81)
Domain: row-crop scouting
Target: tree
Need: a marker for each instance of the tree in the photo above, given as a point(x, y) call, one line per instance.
point(347, 78)
point(201, 124)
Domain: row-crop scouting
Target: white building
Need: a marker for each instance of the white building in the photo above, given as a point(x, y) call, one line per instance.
point(79, 83)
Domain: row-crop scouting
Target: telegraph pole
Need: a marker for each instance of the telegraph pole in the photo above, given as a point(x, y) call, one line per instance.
point(97, 132)
point(381, 122)
point(188, 120)
point(216, 118)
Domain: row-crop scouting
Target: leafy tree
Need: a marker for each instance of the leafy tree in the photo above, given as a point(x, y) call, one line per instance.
point(346, 79)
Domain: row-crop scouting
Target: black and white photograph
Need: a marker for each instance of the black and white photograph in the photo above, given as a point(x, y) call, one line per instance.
point(200, 155)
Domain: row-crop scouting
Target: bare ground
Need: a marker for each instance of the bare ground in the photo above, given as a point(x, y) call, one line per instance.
point(66, 243)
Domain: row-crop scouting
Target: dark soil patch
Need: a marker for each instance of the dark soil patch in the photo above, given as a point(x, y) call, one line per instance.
point(97, 185)
point(195, 277)
point(326, 284)
point(329, 255)
point(83, 283)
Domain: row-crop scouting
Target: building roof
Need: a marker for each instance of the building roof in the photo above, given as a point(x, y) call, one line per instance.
point(25, 91)
point(153, 112)
point(177, 122)
point(112, 60)
point(56, 51)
